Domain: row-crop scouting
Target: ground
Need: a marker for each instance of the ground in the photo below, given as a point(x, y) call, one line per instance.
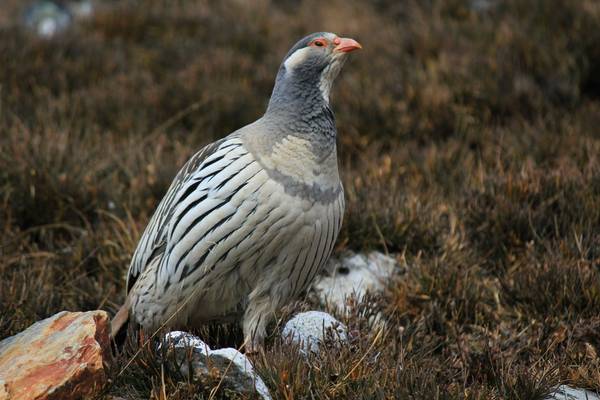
point(469, 142)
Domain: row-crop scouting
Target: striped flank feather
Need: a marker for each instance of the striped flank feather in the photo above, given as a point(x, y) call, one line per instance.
point(223, 225)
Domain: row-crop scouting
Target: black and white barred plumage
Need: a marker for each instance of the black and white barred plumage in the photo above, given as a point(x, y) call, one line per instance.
point(250, 219)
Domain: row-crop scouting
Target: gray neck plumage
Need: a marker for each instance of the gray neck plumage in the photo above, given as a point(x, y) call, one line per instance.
point(299, 104)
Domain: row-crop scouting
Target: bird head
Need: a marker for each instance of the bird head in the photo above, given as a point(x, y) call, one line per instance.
point(312, 65)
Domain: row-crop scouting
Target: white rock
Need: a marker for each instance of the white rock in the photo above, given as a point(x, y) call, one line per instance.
point(311, 329)
point(565, 392)
point(181, 339)
point(239, 374)
point(354, 274)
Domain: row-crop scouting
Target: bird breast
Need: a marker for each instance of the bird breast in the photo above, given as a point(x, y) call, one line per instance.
point(292, 162)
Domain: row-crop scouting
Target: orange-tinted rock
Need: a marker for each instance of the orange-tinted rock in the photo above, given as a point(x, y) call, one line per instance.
point(61, 357)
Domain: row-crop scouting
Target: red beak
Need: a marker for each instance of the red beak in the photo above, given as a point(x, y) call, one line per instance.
point(346, 45)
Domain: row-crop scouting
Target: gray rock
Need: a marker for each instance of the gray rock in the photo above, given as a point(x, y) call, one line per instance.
point(47, 18)
point(311, 329)
point(82, 8)
point(565, 392)
point(482, 6)
point(235, 368)
point(354, 274)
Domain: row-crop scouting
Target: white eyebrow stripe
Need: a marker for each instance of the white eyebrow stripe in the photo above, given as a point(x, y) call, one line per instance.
point(295, 59)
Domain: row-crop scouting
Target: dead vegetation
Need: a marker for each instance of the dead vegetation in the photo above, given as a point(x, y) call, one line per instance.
point(469, 142)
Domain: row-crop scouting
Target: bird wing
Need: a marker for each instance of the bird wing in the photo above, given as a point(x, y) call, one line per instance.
point(153, 242)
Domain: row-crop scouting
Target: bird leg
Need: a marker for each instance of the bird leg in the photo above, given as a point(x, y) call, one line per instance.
point(255, 323)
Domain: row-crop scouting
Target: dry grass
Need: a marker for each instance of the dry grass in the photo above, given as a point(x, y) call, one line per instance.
point(469, 144)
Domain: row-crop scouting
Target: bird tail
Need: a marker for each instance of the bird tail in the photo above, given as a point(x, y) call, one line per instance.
point(119, 324)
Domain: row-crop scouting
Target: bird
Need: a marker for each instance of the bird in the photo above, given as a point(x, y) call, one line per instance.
point(251, 218)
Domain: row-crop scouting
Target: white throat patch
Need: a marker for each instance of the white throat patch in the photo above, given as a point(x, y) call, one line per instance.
point(328, 76)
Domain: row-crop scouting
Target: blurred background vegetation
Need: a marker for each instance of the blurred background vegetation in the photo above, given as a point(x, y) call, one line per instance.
point(469, 137)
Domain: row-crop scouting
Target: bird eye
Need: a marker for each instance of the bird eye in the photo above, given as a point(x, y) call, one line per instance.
point(318, 42)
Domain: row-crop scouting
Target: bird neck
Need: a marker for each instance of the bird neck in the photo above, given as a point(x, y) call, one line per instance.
point(302, 106)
